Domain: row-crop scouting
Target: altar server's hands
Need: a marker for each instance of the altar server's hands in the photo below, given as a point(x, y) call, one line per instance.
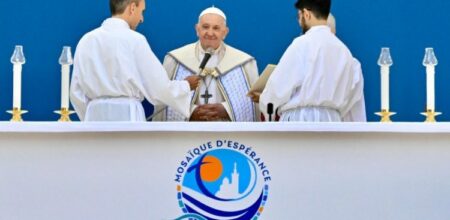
point(254, 95)
point(193, 81)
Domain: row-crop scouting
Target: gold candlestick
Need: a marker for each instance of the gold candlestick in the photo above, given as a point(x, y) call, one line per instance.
point(17, 114)
point(430, 115)
point(385, 115)
point(65, 115)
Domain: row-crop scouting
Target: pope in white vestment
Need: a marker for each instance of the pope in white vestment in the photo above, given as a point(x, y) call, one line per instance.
point(317, 78)
point(227, 78)
point(115, 69)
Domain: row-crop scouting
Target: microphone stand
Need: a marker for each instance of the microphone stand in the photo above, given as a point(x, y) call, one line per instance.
point(270, 111)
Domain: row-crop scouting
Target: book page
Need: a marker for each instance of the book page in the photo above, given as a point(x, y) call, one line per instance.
point(260, 84)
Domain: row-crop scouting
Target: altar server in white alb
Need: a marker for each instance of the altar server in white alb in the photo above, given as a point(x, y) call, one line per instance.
point(115, 68)
point(229, 74)
point(315, 79)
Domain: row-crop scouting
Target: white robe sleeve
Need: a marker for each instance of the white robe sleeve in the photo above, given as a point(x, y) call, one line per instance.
point(357, 108)
point(285, 79)
point(156, 85)
point(170, 66)
point(78, 98)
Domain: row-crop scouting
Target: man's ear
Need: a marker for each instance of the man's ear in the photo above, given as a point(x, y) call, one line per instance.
point(307, 14)
point(197, 30)
point(132, 7)
point(227, 30)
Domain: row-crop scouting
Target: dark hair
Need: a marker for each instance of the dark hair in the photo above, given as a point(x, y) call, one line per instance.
point(320, 8)
point(118, 6)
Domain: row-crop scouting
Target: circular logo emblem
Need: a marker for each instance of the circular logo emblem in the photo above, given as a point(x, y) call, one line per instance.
point(223, 183)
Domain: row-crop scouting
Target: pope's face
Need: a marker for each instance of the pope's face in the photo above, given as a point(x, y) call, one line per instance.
point(137, 14)
point(211, 31)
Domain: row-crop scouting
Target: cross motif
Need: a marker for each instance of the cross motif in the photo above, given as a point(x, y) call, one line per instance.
point(206, 96)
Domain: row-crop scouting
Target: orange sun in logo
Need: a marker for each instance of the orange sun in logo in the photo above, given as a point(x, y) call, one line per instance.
point(211, 169)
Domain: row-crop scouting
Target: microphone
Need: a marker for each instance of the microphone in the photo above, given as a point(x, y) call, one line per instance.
point(270, 110)
point(206, 58)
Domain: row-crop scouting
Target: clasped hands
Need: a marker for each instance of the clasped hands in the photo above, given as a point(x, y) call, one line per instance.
point(210, 112)
point(207, 112)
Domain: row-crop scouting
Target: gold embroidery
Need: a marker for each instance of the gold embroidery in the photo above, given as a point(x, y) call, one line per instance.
point(209, 71)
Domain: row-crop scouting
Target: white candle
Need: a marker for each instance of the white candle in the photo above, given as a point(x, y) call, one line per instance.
point(430, 88)
point(17, 85)
point(385, 87)
point(65, 75)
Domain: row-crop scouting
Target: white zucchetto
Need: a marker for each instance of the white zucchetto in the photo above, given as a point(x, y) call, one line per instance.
point(213, 10)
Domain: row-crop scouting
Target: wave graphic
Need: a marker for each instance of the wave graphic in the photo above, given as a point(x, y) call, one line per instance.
point(228, 206)
point(194, 206)
point(191, 216)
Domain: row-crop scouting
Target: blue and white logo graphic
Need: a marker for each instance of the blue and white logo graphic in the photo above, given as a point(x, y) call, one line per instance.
point(222, 181)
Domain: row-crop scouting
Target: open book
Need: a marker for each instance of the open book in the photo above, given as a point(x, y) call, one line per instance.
point(260, 84)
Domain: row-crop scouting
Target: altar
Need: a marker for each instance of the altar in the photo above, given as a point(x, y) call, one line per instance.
point(109, 171)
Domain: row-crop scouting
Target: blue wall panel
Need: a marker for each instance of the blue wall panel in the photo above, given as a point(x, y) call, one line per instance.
point(261, 28)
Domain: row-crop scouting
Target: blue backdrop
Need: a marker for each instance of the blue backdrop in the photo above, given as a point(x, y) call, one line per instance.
point(261, 28)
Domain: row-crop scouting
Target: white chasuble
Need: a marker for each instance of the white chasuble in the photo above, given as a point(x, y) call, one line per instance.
point(232, 73)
